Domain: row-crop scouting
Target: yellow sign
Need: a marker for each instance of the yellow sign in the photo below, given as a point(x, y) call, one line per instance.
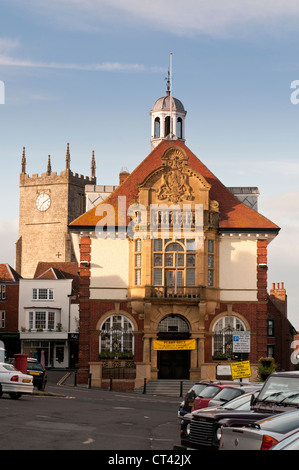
point(240, 369)
point(168, 345)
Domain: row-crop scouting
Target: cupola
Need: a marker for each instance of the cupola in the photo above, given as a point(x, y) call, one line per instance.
point(167, 117)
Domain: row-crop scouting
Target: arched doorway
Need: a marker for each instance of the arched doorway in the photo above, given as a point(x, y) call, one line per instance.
point(173, 363)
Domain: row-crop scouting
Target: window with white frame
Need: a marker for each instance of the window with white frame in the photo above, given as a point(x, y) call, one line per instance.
point(42, 320)
point(2, 319)
point(117, 336)
point(174, 262)
point(137, 264)
point(42, 294)
point(223, 336)
point(2, 291)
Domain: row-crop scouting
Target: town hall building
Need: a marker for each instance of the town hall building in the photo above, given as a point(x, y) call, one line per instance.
point(172, 264)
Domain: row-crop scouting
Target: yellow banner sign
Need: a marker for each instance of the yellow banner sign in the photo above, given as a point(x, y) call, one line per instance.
point(169, 345)
point(240, 370)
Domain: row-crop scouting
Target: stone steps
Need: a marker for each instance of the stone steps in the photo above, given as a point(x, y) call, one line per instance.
point(173, 388)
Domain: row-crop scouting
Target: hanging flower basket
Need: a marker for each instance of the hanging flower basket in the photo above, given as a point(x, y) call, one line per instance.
point(266, 366)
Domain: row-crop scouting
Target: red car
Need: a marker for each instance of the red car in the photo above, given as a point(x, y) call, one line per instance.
point(210, 392)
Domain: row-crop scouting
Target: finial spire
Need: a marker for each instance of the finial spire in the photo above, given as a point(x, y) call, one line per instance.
point(68, 157)
point(93, 166)
point(49, 169)
point(170, 80)
point(23, 164)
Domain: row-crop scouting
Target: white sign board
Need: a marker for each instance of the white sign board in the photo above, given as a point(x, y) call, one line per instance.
point(223, 370)
point(241, 341)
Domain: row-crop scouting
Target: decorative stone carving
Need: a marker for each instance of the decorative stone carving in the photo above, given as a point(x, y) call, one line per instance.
point(175, 180)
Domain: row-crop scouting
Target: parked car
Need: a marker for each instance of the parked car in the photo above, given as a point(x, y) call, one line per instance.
point(188, 402)
point(211, 392)
point(261, 435)
point(288, 443)
point(14, 382)
point(229, 393)
point(200, 429)
point(38, 373)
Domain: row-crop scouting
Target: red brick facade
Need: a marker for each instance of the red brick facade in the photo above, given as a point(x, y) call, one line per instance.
point(9, 303)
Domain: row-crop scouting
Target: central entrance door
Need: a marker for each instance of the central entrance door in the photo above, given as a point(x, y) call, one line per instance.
point(173, 364)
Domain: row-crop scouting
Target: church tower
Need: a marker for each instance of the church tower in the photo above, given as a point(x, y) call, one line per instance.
point(167, 116)
point(48, 203)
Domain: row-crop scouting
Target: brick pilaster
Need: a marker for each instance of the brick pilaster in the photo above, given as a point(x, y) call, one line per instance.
point(262, 306)
point(84, 321)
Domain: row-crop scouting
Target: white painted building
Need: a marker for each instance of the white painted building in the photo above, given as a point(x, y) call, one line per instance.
point(48, 320)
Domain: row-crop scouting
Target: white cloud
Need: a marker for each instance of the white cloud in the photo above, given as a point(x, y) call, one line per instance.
point(217, 17)
point(6, 59)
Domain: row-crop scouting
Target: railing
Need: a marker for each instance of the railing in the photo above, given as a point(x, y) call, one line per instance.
point(181, 292)
point(119, 373)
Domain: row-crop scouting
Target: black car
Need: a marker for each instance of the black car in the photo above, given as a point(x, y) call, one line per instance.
point(200, 429)
point(186, 405)
point(38, 372)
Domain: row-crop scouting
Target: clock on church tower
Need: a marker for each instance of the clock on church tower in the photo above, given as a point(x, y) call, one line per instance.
point(48, 203)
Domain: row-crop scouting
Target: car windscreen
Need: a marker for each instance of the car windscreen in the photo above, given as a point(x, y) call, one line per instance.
point(242, 402)
point(209, 392)
point(197, 388)
point(280, 389)
point(34, 366)
point(228, 393)
point(7, 367)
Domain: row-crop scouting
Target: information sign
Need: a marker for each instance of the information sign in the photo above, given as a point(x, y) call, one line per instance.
point(240, 369)
point(241, 341)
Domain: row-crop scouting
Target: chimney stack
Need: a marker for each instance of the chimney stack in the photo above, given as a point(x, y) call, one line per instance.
point(279, 297)
point(123, 175)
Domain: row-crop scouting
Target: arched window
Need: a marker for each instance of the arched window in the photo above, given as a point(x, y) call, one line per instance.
point(173, 323)
point(174, 264)
point(223, 336)
point(179, 128)
point(157, 128)
point(167, 126)
point(117, 337)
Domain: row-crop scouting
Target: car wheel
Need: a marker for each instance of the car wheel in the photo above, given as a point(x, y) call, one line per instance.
point(15, 396)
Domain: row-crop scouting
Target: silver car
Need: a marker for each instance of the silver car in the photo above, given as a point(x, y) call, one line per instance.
point(14, 382)
point(261, 435)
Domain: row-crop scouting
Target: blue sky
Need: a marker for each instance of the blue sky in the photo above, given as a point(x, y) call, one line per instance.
point(88, 73)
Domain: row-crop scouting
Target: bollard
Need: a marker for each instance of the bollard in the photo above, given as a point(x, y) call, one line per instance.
point(110, 388)
point(89, 380)
point(181, 388)
point(144, 386)
point(75, 379)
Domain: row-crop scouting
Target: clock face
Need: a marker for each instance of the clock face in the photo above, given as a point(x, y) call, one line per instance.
point(43, 202)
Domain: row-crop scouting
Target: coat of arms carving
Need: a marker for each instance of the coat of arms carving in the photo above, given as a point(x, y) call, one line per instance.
point(175, 180)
